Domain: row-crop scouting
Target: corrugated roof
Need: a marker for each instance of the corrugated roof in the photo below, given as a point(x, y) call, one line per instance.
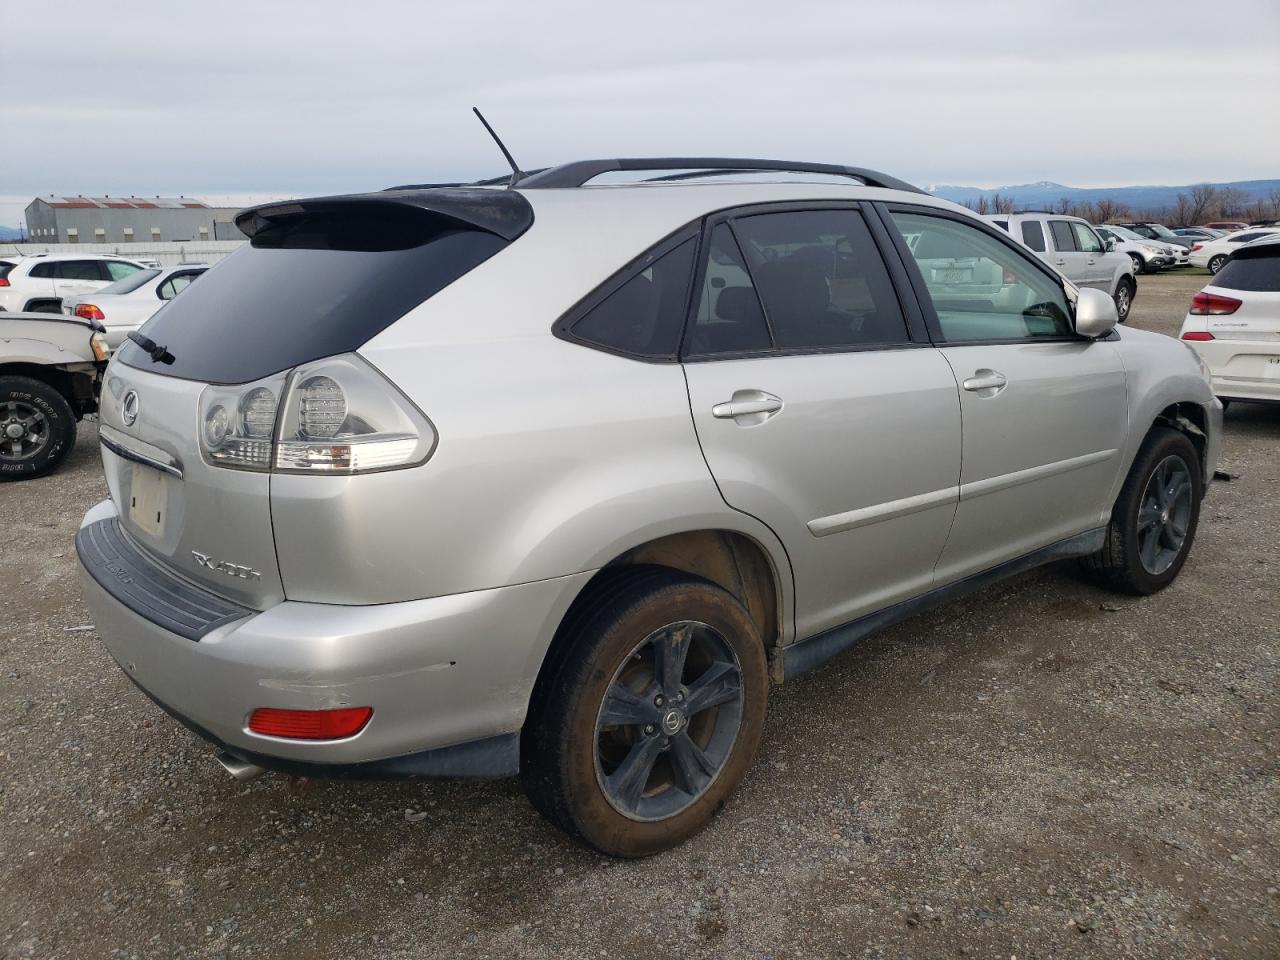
point(169, 203)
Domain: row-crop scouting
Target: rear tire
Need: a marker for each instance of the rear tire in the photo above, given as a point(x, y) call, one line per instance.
point(1153, 523)
point(37, 428)
point(1216, 262)
point(43, 306)
point(644, 724)
point(1125, 290)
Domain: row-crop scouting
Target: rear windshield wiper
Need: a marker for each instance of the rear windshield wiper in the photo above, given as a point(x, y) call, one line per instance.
point(158, 353)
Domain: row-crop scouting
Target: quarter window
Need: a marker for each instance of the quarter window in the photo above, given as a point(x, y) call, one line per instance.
point(821, 280)
point(642, 317)
point(1063, 239)
point(1033, 235)
point(43, 270)
point(980, 288)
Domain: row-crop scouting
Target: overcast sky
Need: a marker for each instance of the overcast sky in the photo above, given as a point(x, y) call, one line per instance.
point(225, 98)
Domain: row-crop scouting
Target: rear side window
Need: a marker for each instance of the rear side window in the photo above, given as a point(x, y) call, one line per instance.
point(310, 286)
point(118, 271)
point(981, 289)
point(176, 284)
point(77, 270)
point(729, 318)
point(1033, 235)
point(1251, 270)
point(1063, 239)
point(644, 316)
point(821, 280)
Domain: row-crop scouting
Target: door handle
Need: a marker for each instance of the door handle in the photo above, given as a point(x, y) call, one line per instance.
point(1091, 260)
point(748, 407)
point(1060, 262)
point(986, 383)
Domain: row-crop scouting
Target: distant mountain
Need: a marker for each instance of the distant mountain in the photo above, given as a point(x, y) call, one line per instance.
point(1043, 193)
point(10, 233)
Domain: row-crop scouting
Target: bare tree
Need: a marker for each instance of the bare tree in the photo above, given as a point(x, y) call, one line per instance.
point(1204, 197)
point(1001, 204)
point(1063, 205)
point(1230, 202)
point(1107, 210)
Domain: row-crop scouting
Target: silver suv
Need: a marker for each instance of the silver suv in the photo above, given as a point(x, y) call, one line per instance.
point(555, 479)
point(1070, 245)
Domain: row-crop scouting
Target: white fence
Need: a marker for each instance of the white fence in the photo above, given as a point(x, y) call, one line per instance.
point(167, 253)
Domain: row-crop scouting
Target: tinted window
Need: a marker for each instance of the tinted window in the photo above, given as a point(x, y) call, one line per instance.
point(131, 282)
point(729, 318)
point(4, 269)
point(44, 270)
point(1002, 224)
point(982, 289)
point(176, 284)
point(1063, 239)
point(821, 279)
point(1246, 237)
point(1086, 239)
point(646, 314)
point(1142, 230)
point(306, 287)
point(78, 270)
point(1252, 270)
point(1033, 235)
point(118, 271)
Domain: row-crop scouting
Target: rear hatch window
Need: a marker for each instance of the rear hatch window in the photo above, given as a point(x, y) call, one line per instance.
point(1255, 269)
point(313, 282)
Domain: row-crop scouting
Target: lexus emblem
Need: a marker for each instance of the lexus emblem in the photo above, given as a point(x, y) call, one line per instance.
point(129, 409)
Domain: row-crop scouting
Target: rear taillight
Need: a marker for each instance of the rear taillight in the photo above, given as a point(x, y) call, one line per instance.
point(309, 724)
point(1196, 246)
point(4, 281)
point(1213, 305)
point(1199, 335)
point(331, 416)
point(87, 311)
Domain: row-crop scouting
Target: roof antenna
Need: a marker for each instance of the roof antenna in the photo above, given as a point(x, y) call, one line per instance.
point(516, 173)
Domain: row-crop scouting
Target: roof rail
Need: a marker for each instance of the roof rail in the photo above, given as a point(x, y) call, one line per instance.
point(580, 172)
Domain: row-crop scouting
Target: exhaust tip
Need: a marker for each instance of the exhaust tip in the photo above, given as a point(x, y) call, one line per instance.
point(240, 769)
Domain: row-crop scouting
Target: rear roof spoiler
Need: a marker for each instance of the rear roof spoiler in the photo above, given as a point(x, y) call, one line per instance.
point(504, 213)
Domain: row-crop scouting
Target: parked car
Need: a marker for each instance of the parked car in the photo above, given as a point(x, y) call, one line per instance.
point(49, 368)
point(553, 481)
point(1226, 226)
point(1234, 324)
point(38, 283)
point(1147, 255)
point(1197, 234)
point(125, 305)
point(1213, 253)
point(1070, 245)
point(1158, 232)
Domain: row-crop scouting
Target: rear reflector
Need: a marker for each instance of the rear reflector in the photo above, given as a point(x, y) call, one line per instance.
point(310, 724)
point(1212, 305)
point(87, 311)
point(1197, 335)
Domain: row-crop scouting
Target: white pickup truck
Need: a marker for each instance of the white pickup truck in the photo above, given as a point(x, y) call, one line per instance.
point(50, 372)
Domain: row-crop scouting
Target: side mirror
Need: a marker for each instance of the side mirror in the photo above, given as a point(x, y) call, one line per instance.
point(1095, 313)
point(1111, 243)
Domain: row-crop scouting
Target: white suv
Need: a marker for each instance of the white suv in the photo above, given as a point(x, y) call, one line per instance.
point(39, 283)
point(1070, 245)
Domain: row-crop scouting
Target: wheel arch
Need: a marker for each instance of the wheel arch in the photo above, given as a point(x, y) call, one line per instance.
point(75, 388)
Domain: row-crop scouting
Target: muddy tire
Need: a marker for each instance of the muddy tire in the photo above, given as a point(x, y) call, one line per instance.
point(37, 428)
point(649, 715)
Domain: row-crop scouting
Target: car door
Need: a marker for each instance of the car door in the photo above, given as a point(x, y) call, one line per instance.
point(1044, 411)
point(1066, 256)
point(74, 277)
point(820, 406)
point(1098, 269)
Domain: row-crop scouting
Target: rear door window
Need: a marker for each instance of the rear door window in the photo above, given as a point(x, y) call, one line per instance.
point(645, 315)
point(821, 279)
point(1033, 235)
point(981, 289)
point(1063, 239)
point(729, 318)
point(77, 270)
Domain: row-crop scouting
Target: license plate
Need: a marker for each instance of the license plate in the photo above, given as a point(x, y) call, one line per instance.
point(1272, 370)
point(147, 500)
point(956, 276)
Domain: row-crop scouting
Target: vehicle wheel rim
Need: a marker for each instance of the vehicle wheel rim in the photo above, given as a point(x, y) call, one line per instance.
point(24, 431)
point(1164, 515)
point(1215, 265)
point(1122, 302)
point(668, 721)
point(1137, 264)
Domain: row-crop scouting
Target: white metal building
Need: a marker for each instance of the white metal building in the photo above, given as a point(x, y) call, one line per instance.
point(123, 220)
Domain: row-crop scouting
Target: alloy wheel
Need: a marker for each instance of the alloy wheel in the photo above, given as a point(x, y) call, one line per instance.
point(1164, 515)
point(668, 721)
point(24, 431)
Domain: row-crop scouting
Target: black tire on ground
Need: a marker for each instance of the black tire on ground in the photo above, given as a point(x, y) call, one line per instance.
point(1226, 402)
point(37, 428)
point(575, 760)
point(1216, 262)
point(1125, 291)
point(1153, 523)
point(43, 306)
point(1139, 266)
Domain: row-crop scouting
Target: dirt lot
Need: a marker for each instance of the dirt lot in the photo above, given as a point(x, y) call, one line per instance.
point(1042, 770)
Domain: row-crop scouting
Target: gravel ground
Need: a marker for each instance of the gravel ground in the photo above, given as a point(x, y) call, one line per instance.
point(1040, 770)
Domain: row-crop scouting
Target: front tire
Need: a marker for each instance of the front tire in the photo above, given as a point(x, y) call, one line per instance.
point(1125, 290)
point(37, 428)
point(1139, 266)
point(1153, 523)
point(1216, 262)
point(650, 717)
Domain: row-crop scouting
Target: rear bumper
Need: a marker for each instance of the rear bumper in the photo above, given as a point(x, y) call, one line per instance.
point(448, 678)
point(1242, 369)
point(1259, 390)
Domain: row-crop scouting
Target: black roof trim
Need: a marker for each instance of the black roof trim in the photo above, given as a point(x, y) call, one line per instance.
point(504, 213)
point(580, 172)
